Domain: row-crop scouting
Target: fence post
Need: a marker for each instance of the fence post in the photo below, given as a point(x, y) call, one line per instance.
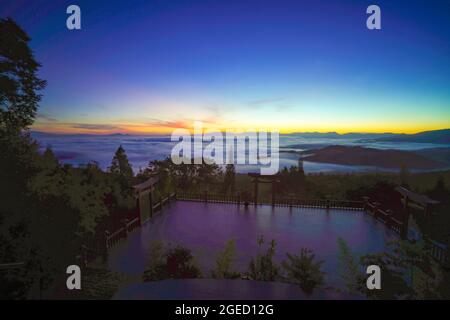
point(138, 209)
point(125, 227)
point(366, 203)
point(105, 247)
point(206, 196)
point(150, 198)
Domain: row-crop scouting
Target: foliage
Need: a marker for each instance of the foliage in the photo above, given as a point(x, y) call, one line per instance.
point(229, 182)
point(404, 176)
point(19, 83)
point(170, 263)
point(262, 267)
point(349, 268)
point(185, 176)
point(224, 262)
point(98, 282)
point(408, 272)
point(303, 270)
point(120, 164)
point(47, 209)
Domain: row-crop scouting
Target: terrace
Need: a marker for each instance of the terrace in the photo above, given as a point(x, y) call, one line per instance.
point(203, 223)
point(204, 227)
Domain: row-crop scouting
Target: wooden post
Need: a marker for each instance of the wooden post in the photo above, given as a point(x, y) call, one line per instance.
point(105, 247)
point(150, 198)
point(205, 198)
point(138, 209)
point(366, 203)
point(273, 193)
point(256, 191)
point(125, 226)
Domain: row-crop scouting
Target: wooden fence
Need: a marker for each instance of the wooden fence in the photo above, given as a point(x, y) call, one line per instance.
point(281, 202)
point(100, 243)
point(386, 217)
point(437, 251)
point(121, 233)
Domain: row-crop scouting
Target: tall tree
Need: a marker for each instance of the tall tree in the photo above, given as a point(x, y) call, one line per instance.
point(19, 83)
point(120, 164)
point(230, 179)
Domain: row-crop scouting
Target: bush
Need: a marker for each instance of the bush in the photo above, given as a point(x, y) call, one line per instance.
point(262, 267)
point(224, 262)
point(175, 263)
point(304, 270)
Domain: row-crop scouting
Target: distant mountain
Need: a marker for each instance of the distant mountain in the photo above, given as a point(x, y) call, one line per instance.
point(335, 135)
point(437, 154)
point(371, 157)
point(51, 134)
point(435, 136)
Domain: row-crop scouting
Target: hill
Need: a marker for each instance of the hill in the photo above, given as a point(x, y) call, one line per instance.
point(371, 157)
point(435, 136)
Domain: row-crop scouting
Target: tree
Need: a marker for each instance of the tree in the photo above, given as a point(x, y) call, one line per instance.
point(304, 270)
point(175, 263)
point(230, 179)
point(120, 164)
point(224, 262)
point(348, 268)
point(404, 176)
point(19, 83)
point(440, 191)
point(19, 98)
point(262, 267)
point(408, 272)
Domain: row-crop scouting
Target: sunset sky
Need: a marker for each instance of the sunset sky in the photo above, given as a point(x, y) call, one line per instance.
point(152, 66)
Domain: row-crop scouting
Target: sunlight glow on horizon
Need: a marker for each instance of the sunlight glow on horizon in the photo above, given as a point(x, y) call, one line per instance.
point(303, 66)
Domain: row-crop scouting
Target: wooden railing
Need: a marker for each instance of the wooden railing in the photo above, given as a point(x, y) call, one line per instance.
point(121, 233)
point(211, 198)
point(386, 217)
point(320, 203)
point(280, 202)
point(439, 252)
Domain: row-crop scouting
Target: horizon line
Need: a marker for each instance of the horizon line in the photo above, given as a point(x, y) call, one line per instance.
point(224, 131)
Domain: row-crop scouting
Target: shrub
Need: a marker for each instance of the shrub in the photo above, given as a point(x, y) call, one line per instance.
point(304, 270)
point(224, 262)
point(262, 267)
point(175, 263)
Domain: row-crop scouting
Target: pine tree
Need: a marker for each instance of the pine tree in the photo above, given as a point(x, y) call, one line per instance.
point(19, 83)
point(230, 179)
point(120, 164)
point(304, 270)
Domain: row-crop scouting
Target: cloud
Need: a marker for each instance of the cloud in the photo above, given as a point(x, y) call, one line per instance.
point(95, 126)
point(170, 123)
point(262, 102)
point(45, 117)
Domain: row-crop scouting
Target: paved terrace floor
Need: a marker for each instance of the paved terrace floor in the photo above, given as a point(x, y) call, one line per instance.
point(205, 227)
point(211, 289)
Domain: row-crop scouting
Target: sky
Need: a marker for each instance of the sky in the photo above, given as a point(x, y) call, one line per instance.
point(149, 67)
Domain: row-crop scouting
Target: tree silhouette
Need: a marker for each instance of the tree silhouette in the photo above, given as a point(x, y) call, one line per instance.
point(120, 164)
point(304, 270)
point(230, 179)
point(19, 84)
